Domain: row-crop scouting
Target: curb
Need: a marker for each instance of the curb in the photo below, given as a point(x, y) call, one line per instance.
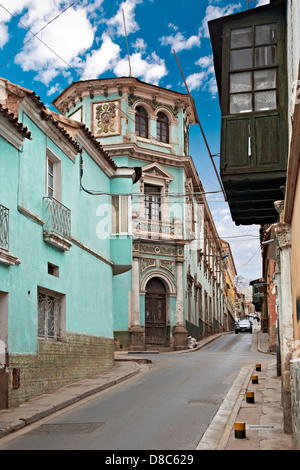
point(28, 413)
point(218, 432)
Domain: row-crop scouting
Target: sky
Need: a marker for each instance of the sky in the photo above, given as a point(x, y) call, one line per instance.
point(46, 45)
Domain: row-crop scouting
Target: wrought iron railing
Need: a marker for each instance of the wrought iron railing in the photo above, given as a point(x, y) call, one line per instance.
point(57, 218)
point(4, 227)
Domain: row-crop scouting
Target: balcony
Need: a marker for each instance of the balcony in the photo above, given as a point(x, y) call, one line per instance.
point(57, 228)
point(156, 229)
point(6, 257)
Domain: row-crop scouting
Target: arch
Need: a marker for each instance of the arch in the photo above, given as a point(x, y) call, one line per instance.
point(163, 276)
point(155, 284)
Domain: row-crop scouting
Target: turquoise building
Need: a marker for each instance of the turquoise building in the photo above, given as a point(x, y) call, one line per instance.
point(175, 286)
point(58, 262)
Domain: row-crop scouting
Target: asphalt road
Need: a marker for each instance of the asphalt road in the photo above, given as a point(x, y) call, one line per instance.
point(168, 406)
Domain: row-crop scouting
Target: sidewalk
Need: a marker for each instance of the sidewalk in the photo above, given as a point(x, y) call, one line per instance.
point(264, 418)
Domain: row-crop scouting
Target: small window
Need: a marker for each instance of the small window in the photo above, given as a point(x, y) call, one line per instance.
point(53, 175)
point(162, 128)
point(266, 34)
point(49, 315)
point(50, 178)
point(141, 122)
point(241, 59)
point(53, 270)
point(241, 37)
point(120, 214)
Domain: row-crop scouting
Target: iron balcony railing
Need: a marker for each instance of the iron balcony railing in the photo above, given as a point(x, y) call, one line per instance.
point(4, 227)
point(57, 217)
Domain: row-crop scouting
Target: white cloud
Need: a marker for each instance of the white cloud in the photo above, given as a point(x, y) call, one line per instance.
point(195, 80)
point(205, 78)
point(101, 60)
point(262, 2)
point(150, 69)
point(117, 21)
point(244, 243)
point(179, 42)
point(213, 12)
point(139, 45)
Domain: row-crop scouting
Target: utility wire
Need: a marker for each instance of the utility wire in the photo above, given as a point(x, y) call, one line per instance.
point(33, 34)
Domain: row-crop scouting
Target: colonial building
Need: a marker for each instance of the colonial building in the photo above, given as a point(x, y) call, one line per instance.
point(57, 260)
point(174, 288)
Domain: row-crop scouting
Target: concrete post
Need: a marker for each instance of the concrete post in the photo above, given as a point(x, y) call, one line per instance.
point(180, 333)
point(137, 332)
point(285, 318)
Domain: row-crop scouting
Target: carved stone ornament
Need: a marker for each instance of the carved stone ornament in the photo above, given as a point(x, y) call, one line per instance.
point(106, 118)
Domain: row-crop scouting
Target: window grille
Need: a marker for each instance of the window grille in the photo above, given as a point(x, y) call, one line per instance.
point(4, 227)
point(49, 316)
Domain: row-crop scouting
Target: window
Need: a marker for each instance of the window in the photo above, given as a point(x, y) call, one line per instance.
point(50, 178)
point(49, 315)
point(162, 128)
point(152, 202)
point(53, 176)
point(254, 89)
point(120, 214)
point(141, 122)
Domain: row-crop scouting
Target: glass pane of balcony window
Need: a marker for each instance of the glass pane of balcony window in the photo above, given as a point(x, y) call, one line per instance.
point(266, 34)
point(265, 100)
point(241, 103)
point(124, 214)
point(265, 56)
point(241, 37)
point(240, 82)
point(241, 59)
point(264, 79)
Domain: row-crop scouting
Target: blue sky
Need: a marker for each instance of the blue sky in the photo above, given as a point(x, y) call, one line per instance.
point(46, 45)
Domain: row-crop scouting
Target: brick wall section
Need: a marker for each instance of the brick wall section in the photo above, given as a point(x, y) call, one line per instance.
point(57, 364)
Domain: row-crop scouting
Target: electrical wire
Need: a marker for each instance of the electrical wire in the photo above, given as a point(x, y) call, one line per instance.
point(33, 34)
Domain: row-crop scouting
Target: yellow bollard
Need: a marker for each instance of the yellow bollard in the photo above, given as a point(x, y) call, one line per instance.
point(250, 397)
point(258, 367)
point(254, 379)
point(239, 430)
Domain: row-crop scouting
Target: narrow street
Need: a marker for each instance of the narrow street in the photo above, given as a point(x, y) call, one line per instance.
point(168, 406)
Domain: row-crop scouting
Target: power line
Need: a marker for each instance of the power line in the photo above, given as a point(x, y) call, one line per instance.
point(33, 34)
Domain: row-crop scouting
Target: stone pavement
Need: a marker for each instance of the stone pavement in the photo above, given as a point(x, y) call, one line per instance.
point(263, 419)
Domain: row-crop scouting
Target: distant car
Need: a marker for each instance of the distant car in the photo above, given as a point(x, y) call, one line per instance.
point(243, 325)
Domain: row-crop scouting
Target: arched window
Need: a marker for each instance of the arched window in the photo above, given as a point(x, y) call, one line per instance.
point(162, 127)
point(141, 122)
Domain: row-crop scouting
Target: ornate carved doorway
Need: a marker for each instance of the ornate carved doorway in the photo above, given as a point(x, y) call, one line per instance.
point(155, 312)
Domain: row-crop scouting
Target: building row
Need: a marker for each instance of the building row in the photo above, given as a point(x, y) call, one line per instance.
point(106, 238)
point(256, 59)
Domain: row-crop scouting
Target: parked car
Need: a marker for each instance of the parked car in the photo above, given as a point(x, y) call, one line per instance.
point(243, 325)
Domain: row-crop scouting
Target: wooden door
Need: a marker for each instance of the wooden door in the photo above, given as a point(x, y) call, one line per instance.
point(155, 312)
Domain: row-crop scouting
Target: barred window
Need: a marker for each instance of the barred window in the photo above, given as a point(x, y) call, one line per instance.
point(49, 315)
